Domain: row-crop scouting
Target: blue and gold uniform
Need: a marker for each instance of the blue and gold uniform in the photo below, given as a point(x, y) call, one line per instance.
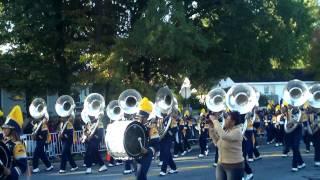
point(143, 163)
point(15, 145)
point(67, 138)
point(165, 147)
point(41, 135)
point(204, 134)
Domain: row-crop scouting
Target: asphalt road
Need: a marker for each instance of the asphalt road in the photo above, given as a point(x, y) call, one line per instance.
point(271, 167)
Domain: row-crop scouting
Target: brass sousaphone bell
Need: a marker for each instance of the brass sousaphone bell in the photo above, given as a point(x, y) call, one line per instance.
point(164, 104)
point(295, 93)
point(129, 101)
point(65, 106)
point(38, 108)
point(314, 102)
point(114, 111)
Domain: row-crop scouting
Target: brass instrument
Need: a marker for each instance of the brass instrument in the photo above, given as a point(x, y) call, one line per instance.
point(38, 110)
point(296, 93)
point(129, 101)
point(64, 107)
point(94, 106)
point(242, 98)
point(314, 102)
point(114, 111)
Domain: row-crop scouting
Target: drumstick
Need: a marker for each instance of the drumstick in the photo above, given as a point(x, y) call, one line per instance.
point(139, 139)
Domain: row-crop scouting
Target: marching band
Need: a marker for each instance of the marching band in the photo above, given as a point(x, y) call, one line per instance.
point(141, 130)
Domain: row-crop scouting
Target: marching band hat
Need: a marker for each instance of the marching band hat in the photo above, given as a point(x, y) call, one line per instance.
point(14, 119)
point(146, 107)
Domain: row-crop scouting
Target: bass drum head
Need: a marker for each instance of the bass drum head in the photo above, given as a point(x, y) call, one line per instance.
point(5, 157)
point(134, 131)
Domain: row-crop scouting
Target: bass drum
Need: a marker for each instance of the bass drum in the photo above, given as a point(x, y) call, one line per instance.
point(5, 158)
point(134, 137)
point(122, 139)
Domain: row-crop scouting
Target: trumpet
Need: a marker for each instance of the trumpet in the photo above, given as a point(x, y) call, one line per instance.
point(296, 93)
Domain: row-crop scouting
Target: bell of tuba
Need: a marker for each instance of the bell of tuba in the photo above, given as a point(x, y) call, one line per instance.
point(215, 100)
point(94, 104)
point(38, 108)
point(114, 111)
point(295, 93)
point(314, 102)
point(241, 98)
point(129, 101)
point(164, 100)
point(65, 106)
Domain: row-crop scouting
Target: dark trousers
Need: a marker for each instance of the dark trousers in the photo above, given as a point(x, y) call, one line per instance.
point(67, 156)
point(203, 143)
point(92, 154)
point(178, 147)
point(216, 155)
point(39, 153)
point(270, 132)
point(143, 165)
point(250, 145)
point(247, 168)
point(316, 144)
point(294, 143)
point(186, 142)
point(307, 139)
point(127, 164)
point(165, 146)
point(229, 172)
point(286, 147)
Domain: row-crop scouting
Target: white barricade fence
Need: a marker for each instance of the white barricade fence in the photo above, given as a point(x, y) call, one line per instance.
point(54, 148)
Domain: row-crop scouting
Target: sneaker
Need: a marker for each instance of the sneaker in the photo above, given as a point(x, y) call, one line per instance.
point(176, 155)
point(250, 160)
point(307, 151)
point(189, 150)
point(249, 176)
point(162, 173)
point(207, 152)
point(118, 163)
point(214, 164)
point(36, 170)
point(277, 145)
point(160, 163)
point(257, 147)
point(317, 164)
point(84, 165)
point(303, 165)
point(171, 171)
point(127, 171)
point(88, 171)
point(294, 169)
point(93, 164)
point(201, 155)
point(257, 158)
point(281, 144)
point(184, 153)
point(62, 171)
point(103, 168)
point(74, 169)
point(268, 143)
point(49, 168)
point(110, 165)
point(284, 155)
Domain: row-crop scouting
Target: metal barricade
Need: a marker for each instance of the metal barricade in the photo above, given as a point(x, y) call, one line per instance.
point(54, 148)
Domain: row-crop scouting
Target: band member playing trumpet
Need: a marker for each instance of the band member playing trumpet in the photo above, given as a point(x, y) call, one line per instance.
point(12, 129)
point(143, 163)
point(41, 135)
point(66, 136)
